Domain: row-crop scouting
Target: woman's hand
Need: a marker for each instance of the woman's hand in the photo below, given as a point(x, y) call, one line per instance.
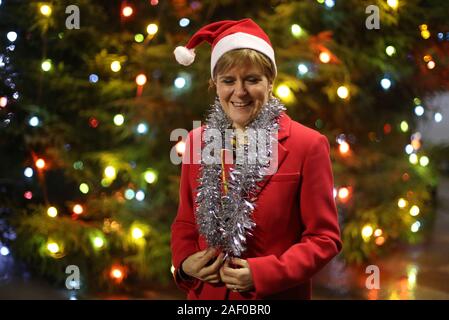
point(237, 279)
point(197, 266)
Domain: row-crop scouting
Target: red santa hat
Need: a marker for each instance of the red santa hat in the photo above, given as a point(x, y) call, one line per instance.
point(225, 36)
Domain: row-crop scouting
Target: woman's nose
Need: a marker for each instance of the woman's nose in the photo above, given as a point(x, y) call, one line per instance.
point(240, 89)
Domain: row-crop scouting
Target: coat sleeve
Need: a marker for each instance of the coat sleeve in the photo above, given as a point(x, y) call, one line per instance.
point(184, 232)
point(320, 240)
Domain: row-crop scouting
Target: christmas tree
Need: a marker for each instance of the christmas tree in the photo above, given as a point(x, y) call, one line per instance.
point(90, 95)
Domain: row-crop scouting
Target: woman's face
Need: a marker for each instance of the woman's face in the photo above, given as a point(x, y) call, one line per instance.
point(242, 91)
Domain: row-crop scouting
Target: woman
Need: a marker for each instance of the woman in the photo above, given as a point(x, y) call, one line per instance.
point(244, 231)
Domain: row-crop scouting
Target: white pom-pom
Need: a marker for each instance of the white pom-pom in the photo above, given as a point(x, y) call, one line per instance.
point(184, 56)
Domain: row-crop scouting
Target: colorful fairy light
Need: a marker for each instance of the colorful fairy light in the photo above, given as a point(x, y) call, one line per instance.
point(46, 65)
point(152, 29)
point(402, 203)
point(11, 36)
point(385, 83)
point(28, 172)
point(367, 232)
point(129, 194)
point(142, 128)
point(140, 195)
point(141, 79)
point(404, 126)
point(117, 273)
point(324, 57)
point(343, 193)
point(116, 66)
point(40, 163)
point(424, 161)
point(52, 212)
point(296, 30)
point(45, 10)
point(393, 4)
point(302, 69)
point(150, 176)
point(3, 102)
point(344, 148)
point(415, 226)
point(127, 11)
point(78, 209)
point(413, 158)
point(119, 119)
point(438, 117)
point(414, 211)
point(283, 92)
point(390, 50)
point(84, 188)
point(139, 38)
point(110, 172)
point(53, 247)
point(137, 233)
point(98, 242)
point(343, 92)
point(184, 22)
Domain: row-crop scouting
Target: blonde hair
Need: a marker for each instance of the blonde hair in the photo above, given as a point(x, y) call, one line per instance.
point(239, 57)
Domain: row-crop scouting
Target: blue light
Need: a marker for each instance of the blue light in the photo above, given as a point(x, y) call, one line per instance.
point(142, 128)
point(28, 172)
point(329, 3)
point(385, 83)
point(93, 78)
point(34, 121)
point(184, 22)
point(4, 251)
point(180, 82)
point(419, 111)
point(440, 35)
point(302, 69)
point(129, 194)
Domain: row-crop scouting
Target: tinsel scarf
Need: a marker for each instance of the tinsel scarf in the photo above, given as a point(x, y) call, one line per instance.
point(225, 219)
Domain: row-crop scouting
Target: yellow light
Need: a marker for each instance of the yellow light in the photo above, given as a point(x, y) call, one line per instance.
point(141, 79)
point(98, 242)
point(390, 50)
point(423, 27)
point(343, 92)
point(425, 34)
point(84, 188)
point(150, 176)
point(427, 58)
point(402, 203)
point(415, 226)
point(127, 11)
point(431, 65)
point(344, 147)
point(378, 232)
point(412, 272)
point(137, 233)
point(52, 212)
point(45, 10)
point(343, 193)
point(283, 91)
point(78, 209)
point(325, 57)
point(119, 119)
point(116, 66)
point(413, 158)
point(152, 29)
point(172, 269)
point(393, 3)
point(404, 126)
point(40, 163)
point(367, 232)
point(181, 147)
point(110, 172)
point(414, 211)
point(46, 65)
point(53, 247)
point(296, 30)
point(424, 161)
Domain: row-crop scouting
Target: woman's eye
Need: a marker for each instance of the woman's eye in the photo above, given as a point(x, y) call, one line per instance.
point(253, 80)
point(227, 81)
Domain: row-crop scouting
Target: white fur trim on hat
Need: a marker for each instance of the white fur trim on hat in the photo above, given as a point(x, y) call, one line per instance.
point(184, 56)
point(240, 40)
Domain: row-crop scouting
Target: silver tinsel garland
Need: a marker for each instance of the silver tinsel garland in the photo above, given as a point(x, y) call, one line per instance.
point(224, 220)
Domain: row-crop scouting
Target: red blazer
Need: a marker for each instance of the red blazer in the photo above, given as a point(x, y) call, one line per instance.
point(296, 231)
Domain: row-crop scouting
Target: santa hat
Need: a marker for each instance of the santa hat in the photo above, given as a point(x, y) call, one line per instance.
point(225, 36)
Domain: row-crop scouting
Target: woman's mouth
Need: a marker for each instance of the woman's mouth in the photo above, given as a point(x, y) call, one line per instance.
point(241, 104)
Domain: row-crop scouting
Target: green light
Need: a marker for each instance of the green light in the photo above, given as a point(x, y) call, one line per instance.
point(84, 188)
point(139, 37)
point(46, 65)
point(404, 126)
point(150, 176)
point(296, 30)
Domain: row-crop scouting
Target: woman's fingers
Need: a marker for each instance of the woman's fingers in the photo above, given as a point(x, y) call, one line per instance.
point(213, 268)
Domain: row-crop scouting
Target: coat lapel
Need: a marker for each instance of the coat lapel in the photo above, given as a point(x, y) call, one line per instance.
point(284, 133)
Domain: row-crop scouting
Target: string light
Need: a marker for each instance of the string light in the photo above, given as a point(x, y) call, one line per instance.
point(329, 3)
point(4, 251)
point(52, 212)
point(78, 209)
point(343, 193)
point(110, 172)
point(344, 148)
point(129, 194)
point(415, 226)
point(46, 65)
point(343, 92)
point(393, 4)
point(116, 66)
point(180, 82)
point(142, 128)
point(409, 149)
point(378, 232)
point(283, 91)
point(184, 22)
point(3, 102)
point(28, 172)
point(93, 78)
point(137, 233)
point(296, 30)
point(419, 111)
point(390, 50)
point(53, 247)
point(12, 36)
point(413, 158)
point(431, 65)
point(140, 195)
point(40, 163)
point(438, 117)
point(404, 126)
point(424, 161)
point(414, 211)
point(385, 83)
point(117, 273)
point(141, 79)
point(119, 119)
point(150, 176)
point(324, 57)
point(34, 121)
point(152, 29)
point(367, 232)
point(28, 195)
point(402, 203)
point(127, 11)
point(84, 188)
point(302, 69)
point(98, 242)
point(139, 38)
point(45, 10)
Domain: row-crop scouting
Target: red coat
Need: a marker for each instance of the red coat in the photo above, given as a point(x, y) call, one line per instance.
point(296, 231)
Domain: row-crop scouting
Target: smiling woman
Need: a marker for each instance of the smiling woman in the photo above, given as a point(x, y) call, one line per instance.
point(242, 232)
